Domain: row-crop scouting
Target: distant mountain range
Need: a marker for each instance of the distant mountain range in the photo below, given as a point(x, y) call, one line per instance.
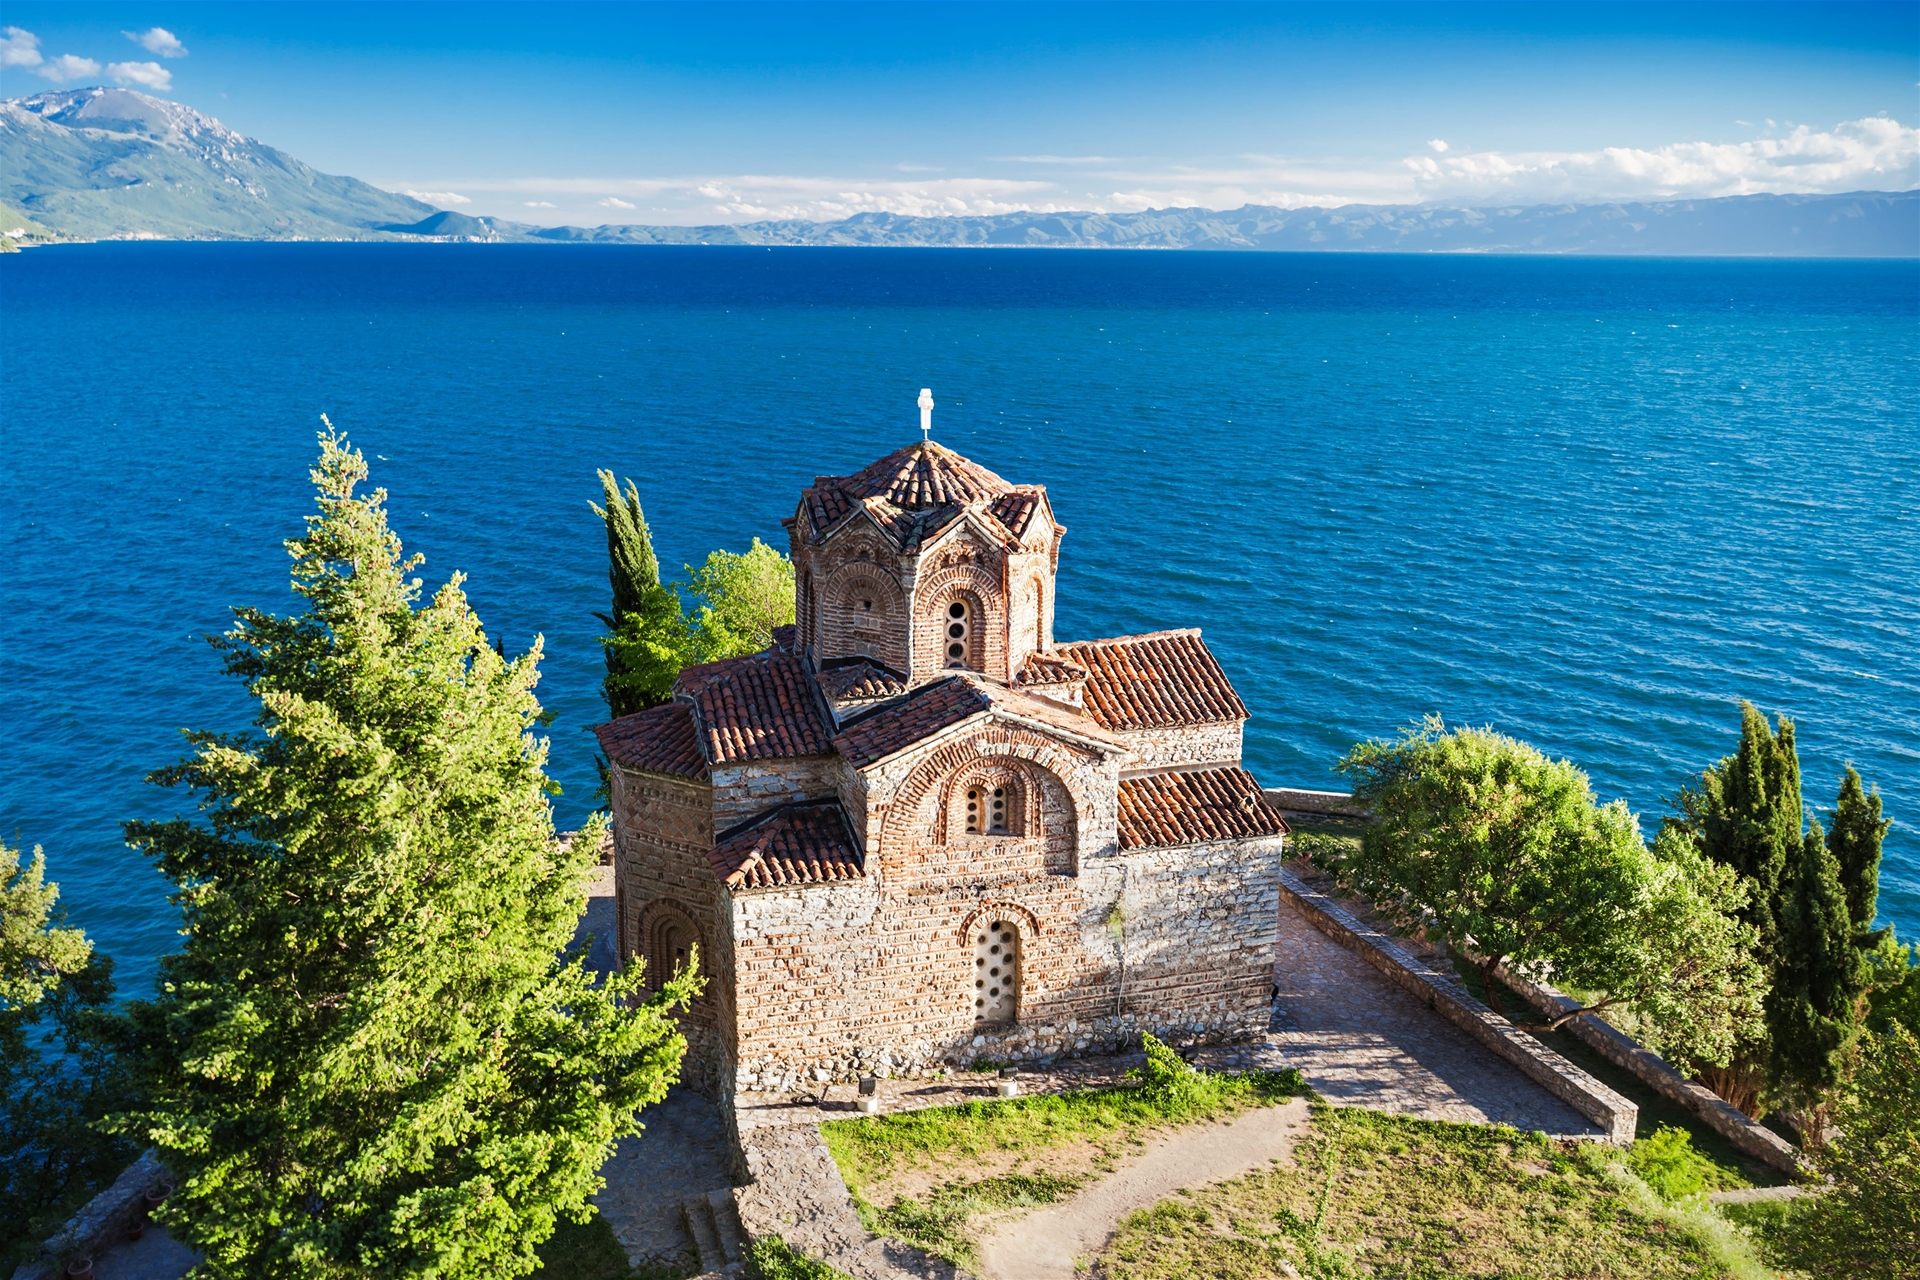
point(94, 164)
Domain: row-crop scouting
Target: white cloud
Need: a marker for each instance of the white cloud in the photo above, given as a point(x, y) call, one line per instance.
point(1438, 144)
point(540, 204)
point(19, 48)
point(151, 74)
point(158, 40)
point(68, 67)
point(1872, 153)
point(441, 197)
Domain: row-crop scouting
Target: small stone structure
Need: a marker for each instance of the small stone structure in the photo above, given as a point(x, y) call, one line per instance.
point(916, 831)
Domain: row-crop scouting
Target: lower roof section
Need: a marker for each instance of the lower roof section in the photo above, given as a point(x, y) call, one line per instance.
point(795, 844)
point(1195, 806)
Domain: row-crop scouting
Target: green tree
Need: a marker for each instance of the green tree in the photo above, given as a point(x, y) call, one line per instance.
point(58, 1072)
point(648, 639)
point(1747, 813)
point(1499, 848)
point(35, 953)
point(369, 1057)
point(745, 597)
point(1854, 841)
point(1866, 1222)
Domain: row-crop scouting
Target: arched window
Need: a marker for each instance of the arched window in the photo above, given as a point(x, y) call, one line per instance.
point(674, 943)
point(996, 973)
point(987, 810)
point(959, 633)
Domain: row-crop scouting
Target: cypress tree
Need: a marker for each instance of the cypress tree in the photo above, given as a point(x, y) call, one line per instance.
point(1813, 1007)
point(1747, 814)
point(1858, 829)
point(370, 1056)
point(648, 638)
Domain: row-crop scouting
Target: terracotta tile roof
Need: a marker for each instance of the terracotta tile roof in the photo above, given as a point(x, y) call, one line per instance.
point(1154, 681)
point(915, 492)
point(658, 740)
point(945, 703)
point(925, 475)
point(793, 845)
point(1016, 509)
point(1193, 807)
point(927, 710)
point(755, 708)
point(1049, 668)
point(859, 680)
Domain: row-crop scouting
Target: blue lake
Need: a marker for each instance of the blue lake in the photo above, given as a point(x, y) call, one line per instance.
point(1593, 503)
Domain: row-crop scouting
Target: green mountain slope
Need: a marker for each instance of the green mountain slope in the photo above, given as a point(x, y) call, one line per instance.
point(111, 163)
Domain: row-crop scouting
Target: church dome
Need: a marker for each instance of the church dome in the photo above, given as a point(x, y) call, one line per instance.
point(925, 475)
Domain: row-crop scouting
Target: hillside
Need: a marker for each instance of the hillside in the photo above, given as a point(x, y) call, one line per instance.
point(96, 163)
point(112, 163)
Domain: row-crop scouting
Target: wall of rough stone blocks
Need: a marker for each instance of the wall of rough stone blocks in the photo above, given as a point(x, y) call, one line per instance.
point(662, 831)
point(835, 980)
point(748, 788)
point(1169, 748)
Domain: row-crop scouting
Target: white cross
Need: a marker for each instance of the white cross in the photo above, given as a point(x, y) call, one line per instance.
point(926, 413)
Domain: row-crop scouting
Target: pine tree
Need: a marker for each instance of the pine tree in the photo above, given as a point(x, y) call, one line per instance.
point(648, 638)
point(368, 1058)
point(1854, 841)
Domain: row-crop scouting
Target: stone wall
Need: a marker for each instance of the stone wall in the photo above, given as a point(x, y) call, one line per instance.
point(1155, 749)
point(748, 788)
point(836, 981)
point(663, 884)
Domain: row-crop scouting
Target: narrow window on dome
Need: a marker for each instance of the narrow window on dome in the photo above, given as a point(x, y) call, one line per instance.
point(996, 973)
point(959, 627)
point(973, 811)
point(997, 815)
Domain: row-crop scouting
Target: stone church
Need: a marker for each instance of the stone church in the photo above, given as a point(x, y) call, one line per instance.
point(918, 831)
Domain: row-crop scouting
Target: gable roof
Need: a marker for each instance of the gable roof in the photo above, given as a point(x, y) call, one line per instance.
point(945, 703)
point(1190, 807)
point(755, 708)
point(859, 680)
point(795, 844)
point(658, 740)
point(1049, 668)
point(1157, 681)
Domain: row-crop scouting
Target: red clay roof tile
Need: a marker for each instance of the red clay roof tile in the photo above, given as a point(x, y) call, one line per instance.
point(1049, 668)
point(1155, 681)
point(657, 740)
point(1194, 807)
point(793, 845)
point(913, 493)
point(859, 680)
point(927, 710)
point(755, 708)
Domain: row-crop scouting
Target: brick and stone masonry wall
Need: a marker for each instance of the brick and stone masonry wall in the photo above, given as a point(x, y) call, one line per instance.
point(839, 980)
point(749, 788)
point(1172, 748)
point(663, 831)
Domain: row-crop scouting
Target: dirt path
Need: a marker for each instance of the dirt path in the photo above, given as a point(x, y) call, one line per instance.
point(1043, 1245)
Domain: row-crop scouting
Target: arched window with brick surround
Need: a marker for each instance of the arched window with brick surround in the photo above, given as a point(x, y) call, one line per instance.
point(670, 942)
point(989, 801)
point(996, 971)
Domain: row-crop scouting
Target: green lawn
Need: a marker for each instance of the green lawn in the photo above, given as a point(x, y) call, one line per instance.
point(1385, 1196)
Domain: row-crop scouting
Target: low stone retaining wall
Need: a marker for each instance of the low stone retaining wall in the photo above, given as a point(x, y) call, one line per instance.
point(1612, 1114)
point(101, 1223)
point(1652, 1070)
point(1332, 803)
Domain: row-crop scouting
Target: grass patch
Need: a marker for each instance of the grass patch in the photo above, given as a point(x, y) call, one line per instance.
point(1094, 1125)
point(1372, 1194)
point(590, 1251)
point(771, 1258)
point(939, 1225)
point(872, 1148)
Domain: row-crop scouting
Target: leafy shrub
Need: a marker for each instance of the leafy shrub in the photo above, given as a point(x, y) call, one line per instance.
point(1667, 1162)
point(1170, 1084)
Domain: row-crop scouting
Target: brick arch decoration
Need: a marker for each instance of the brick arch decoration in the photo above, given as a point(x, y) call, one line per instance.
point(1044, 758)
point(883, 627)
point(986, 773)
point(1029, 922)
point(981, 589)
point(657, 919)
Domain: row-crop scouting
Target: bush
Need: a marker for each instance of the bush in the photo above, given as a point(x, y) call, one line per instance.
point(1171, 1084)
point(1667, 1162)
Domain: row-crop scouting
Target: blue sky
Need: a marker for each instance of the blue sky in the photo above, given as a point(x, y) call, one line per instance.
point(668, 113)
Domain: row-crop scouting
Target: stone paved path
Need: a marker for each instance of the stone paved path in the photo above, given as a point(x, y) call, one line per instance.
point(1362, 1041)
point(683, 1153)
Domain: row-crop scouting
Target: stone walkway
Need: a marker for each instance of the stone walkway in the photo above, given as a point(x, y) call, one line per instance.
point(1361, 1041)
point(682, 1154)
